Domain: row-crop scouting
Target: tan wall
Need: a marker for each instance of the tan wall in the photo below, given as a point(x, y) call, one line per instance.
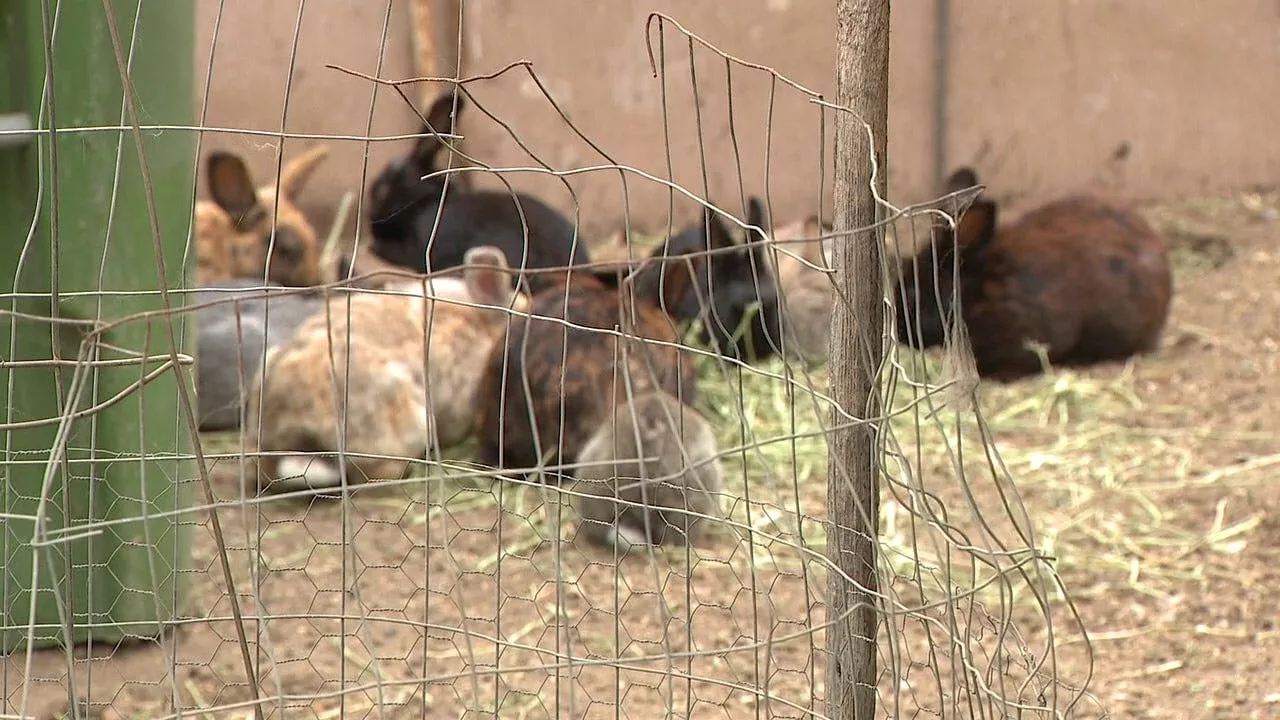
point(1043, 95)
point(251, 70)
point(1046, 92)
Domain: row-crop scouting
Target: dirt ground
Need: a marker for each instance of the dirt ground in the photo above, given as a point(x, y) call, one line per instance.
point(1149, 486)
point(1204, 642)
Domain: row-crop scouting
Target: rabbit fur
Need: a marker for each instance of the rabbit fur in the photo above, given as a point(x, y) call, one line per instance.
point(733, 280)
point(362, 269)
point(807, 291)
point(576, 371)
point(655, 452)
point(247, 319)
point(1084, 276)
point(403, 208)
point(234, 230)
point(414, 361)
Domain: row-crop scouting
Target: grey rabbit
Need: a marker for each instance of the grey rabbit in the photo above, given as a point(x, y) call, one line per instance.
point(673, 475)
point(219, 390)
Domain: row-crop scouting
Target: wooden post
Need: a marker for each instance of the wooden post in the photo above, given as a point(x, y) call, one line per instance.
point(448, 24)
point(942, 87)
point(862, 84)
point(434, 27)
point(425, 58)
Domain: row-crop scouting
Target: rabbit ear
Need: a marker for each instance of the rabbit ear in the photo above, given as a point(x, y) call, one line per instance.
point(963, 178)
point(975, 226)
point(440, 116)
point(486, 275)
point(755, 213)
point(718, 236)
point(298, 171)
point(441, 120)
point(230, 185)
point(678, 279)
point(976, 229)
point(756, 216)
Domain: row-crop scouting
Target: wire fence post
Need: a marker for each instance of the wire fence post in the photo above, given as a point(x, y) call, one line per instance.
point(862, 84)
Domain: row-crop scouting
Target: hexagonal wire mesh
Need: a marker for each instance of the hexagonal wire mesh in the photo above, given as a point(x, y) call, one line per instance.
point(461, 588)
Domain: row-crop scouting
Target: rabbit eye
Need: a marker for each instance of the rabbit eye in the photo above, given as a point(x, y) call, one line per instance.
point(288, 243)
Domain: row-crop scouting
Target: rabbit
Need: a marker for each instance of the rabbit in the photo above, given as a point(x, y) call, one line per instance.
point(577, 371)
point(1085, 276)
point(403, 209)
point(808, 293)
point(414, 363)
point(249, 320)
point(234, 230)
point(731, 283)
point(362, 269)
point(673, 472)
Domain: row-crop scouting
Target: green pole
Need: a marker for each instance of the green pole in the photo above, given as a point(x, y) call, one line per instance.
point(77, 242)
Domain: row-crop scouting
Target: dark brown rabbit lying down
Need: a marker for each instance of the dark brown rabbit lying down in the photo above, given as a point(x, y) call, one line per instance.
point(560, 373)
point(1086, 277)
point(552, 394)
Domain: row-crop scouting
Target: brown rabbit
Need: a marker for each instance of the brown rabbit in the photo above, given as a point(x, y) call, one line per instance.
point(234, 230)
point(658, 457)
point(547, 370)
point(414, 361)
point(808, 292)
point(1086, 277)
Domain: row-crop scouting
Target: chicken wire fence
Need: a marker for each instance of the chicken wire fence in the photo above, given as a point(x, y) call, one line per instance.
point(461, 589)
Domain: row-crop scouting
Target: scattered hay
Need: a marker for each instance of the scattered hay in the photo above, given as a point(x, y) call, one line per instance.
point(1071, 487)
point(1071, 475)
point(1200, 229)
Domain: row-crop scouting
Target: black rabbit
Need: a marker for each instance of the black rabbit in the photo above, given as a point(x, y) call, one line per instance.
point(734, 279)
point(404, 207)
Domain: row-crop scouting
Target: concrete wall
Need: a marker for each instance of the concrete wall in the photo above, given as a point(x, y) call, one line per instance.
point(1143, 98)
